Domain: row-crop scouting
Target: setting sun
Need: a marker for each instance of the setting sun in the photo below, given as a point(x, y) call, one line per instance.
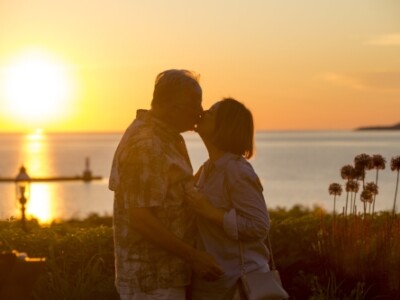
point(36, 87)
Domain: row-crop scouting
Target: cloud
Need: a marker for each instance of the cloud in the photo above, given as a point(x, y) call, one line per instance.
point(343, 80)
point(392, 39)
point(388, 81)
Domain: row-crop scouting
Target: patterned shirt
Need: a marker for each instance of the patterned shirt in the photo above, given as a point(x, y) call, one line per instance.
point(150, 168)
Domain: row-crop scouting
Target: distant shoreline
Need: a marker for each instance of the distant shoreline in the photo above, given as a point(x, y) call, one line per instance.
point(393, 127)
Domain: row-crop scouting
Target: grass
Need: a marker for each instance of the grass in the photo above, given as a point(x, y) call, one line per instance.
point(318, 257)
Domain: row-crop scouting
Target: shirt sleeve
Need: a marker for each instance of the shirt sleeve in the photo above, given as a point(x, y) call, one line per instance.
point(248, 219)
point(143, 176)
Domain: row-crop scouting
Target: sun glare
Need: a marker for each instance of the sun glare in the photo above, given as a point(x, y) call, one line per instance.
point(39, 205)
point(36, 87)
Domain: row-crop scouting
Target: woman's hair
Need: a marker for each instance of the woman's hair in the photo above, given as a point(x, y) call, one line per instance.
point(234, 128)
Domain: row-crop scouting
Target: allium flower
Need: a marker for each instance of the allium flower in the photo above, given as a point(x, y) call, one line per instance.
point(395, 163)
point(366, 196)
point(352, 186)
point(372, 187)
point(359, 173)
point(395, 166)
point(347, 172)
point(363, 161)
point(378, 162)
point(335, 189)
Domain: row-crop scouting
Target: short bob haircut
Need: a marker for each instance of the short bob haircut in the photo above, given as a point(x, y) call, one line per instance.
point(170, 85)
point(234, 128)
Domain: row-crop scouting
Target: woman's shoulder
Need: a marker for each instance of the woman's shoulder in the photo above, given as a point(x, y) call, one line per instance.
point(239, 165)
point(238, 168)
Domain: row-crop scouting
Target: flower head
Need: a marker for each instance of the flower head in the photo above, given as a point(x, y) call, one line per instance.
point(378, 162)
point(352, 186)
point(335, 189)
point(372, 187)
point(395, 163)
point(347, 172)
point(359, 172)
point(366, 196)
point(363, 161)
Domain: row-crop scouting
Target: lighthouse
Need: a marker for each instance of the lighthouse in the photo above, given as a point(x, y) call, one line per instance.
point(87, 174)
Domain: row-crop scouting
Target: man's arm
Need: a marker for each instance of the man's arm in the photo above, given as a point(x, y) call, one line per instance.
point(151, 229)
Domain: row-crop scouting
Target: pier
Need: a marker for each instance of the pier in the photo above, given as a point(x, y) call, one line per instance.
point(86, 176)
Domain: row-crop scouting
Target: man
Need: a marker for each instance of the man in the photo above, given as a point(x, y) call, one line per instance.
point(153, 227)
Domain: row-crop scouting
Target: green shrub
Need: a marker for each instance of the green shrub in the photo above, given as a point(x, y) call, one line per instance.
point(318, 257)
point(79, 257)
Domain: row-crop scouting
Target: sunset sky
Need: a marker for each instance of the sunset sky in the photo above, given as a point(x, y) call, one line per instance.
point(87, 65)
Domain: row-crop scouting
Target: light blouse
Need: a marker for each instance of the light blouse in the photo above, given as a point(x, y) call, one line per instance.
point(231, 184)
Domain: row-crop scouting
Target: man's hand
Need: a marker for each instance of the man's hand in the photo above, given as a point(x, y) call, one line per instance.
point(202, 206)
point(199, 202)
point(201, 263)
point(205, 265)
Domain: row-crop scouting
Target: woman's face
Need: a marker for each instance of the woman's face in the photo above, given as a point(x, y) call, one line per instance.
point(206, 125)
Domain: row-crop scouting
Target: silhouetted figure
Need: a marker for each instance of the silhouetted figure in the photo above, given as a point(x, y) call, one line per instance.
point(153, 228)
point(232, 221)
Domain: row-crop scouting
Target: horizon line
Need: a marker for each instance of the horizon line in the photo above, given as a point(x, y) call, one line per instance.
point(122, 131)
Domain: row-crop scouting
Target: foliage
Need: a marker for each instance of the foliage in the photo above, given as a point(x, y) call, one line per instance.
point(354, 257)
point(79, 256)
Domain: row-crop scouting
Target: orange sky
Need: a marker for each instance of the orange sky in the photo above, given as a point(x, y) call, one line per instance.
point(296, 64)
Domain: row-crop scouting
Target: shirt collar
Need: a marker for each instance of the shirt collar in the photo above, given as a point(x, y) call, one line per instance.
point(222, 161)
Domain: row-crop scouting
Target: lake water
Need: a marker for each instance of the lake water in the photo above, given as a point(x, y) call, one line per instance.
point(294, 167)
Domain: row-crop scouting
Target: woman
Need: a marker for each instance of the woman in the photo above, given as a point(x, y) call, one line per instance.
point(232, 216)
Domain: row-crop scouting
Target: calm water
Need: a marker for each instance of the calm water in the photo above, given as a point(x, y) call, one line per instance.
point(294, 167)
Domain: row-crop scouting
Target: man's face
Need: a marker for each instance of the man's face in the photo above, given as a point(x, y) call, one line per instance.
point(188, 110)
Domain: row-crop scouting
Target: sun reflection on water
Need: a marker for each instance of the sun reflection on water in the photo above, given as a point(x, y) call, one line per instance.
point(37, 135)
point(35, 153)
point(40, 203)
point(35, 159)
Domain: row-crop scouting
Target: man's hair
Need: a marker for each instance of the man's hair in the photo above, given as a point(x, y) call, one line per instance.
point(234, 128)
point(172, 83)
